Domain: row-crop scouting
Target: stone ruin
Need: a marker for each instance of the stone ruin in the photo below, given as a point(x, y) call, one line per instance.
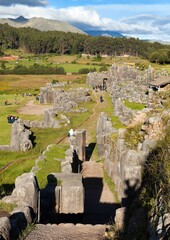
point(125, 165)
point(96, 79)
point(63, 101)
point(64, 193)
point(20, 138)
point(124, 82)
point(76, 155)
point(47, 93)
point(128, 83)
point(67, 101)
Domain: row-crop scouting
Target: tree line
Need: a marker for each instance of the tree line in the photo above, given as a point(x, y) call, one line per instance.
point(38, 42)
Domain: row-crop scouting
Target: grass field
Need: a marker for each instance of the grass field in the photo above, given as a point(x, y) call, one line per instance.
point(15, 84)
point(73, 63)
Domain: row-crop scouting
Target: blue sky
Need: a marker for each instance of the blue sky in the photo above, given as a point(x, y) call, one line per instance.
point(142, 19)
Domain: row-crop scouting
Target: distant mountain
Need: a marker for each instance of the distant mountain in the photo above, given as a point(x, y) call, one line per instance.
point(20, 19)
point(41, 24)
point(103, 33)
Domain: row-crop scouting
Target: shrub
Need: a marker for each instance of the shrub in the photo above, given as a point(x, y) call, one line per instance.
point(102, 69)
point(84, 71)
point(133, 136)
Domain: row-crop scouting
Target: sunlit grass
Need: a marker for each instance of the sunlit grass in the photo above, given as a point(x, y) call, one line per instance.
point(8, 207)
point(50, 164)
point(134, 105)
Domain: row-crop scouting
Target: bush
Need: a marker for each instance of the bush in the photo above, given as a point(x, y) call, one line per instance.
point(102, 69)
point(34, 69)
point(84, 71)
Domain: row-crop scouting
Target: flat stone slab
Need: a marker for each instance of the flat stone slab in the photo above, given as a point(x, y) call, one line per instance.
point(67, 176)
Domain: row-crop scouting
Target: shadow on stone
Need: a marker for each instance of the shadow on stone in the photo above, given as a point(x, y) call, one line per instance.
point(18, 222)
point(48, 200)
point(32, 138)
point(76, 164)
point(97, 212)
point(89, 150)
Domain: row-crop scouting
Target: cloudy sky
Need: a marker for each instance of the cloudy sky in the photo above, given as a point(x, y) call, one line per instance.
point(145, 19)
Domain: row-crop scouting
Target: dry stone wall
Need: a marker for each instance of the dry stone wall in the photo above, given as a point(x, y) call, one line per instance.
point(125, 167)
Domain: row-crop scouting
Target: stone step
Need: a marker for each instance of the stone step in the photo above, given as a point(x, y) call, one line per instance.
point(67, 232)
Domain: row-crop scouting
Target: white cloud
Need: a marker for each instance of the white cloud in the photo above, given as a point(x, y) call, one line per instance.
point(137, 25)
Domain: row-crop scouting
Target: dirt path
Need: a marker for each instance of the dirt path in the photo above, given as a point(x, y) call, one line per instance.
point(33, 109)
point(99, 201)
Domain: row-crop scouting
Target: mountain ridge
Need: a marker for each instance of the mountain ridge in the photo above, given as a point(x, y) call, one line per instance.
point(41, 24)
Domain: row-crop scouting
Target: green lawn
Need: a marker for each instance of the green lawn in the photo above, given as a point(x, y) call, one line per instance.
point(74, 68)
point(5, 110)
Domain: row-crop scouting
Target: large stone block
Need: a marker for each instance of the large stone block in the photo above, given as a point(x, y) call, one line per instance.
point(134, 158)
point(25, 192)
point(72, 197)
point(20, 137)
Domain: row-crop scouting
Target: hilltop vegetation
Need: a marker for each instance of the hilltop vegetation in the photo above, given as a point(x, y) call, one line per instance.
point(37, 42)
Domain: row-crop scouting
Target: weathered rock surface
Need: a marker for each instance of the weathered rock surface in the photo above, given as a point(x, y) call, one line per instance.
point(20, 137)
point(25, 192)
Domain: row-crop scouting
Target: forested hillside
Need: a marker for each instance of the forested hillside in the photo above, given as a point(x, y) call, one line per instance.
point(37, 42)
